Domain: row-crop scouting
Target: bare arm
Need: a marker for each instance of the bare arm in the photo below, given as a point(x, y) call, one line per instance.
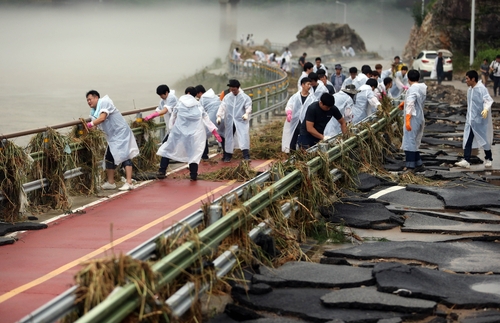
point(312, 131)
point(101, 119)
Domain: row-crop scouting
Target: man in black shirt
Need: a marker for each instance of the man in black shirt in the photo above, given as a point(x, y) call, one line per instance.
point(317, 116)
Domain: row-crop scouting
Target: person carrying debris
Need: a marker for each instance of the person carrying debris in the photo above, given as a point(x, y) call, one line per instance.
point(478, 131)
point(122, 146)
point(318, 115)
point(187, 138)
point(414, 122)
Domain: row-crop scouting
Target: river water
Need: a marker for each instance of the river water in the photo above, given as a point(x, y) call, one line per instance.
point(52, 55)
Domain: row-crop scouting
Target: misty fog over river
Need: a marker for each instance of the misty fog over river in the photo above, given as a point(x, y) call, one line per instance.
point(50, 56)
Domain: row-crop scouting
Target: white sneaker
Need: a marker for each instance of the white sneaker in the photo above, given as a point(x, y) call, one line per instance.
point(127, 187)
point(463, 163)
point(108, 186)
point(487, 163)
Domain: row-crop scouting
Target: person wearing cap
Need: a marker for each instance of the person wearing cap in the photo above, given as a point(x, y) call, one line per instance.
point(319, 65)
point(322, 77)
point(400, 82)
point(345, 104)
point(296, 108)
point(338, 78)
point(353, 72)
point(122, 146)
point(414, 122)
point(317, 116)
point(187, 138)
point(210, 103)
point(308, 68)
point(366, 102)
point(234, 112)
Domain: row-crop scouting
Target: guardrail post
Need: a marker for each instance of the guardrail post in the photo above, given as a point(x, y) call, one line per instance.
point(214, 213)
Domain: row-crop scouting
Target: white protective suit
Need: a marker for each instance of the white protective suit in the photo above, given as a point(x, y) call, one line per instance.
point(320, 89)
point(304, 74)
point(360, 80)
point(211, 102)
point(414, 105)
point(298, 114)
point(346, 82)
point(344, 103)
point(385, 73)
point(261, 56)
point(366, 103)
point(169, 103)
point(351, 52)
point(478, 99)
point(397, 84)
point(121, 140)
point(231, 111)
point(187, 136)
point(321, 67)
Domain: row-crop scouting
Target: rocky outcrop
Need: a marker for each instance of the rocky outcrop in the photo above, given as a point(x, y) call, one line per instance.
point(327, 38)
point(447, 26)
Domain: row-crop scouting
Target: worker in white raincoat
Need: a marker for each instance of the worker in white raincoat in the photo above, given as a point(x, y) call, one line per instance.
point(478, 131)
point(413, 129)
point(168, 101)
point(296, 108)
point(345, 104)
point(362, 77)
point(400, 82)
point(235, 111)
point(210, 102)
point(122, 146)
point(317, 87)
point(307, 69)
point(187, 137)
point(366, 101)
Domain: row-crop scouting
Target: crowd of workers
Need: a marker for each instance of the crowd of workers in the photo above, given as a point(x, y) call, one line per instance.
point(322, 108)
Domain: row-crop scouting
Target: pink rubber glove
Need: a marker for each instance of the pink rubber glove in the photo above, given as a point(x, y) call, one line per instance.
point(288, 115)
point(151, 116)
point(405, 88)
point(90, 124)
point(217, 136)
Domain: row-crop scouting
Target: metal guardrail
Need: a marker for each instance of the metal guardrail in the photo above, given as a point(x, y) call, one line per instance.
point(267, 98)
point(274, 99)
point(124, 300)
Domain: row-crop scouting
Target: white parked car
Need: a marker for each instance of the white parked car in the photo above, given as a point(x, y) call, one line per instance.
point(424, 62)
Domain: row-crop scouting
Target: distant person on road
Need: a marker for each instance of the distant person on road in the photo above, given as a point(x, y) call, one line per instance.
point(414, 122)
point(485, 68)
point(319, 65)
point(338, 78)
point(296, 108)
point(439, 67)
point(235, 111)
point(353, 72)
point(287, 53)
point(400, 82)
point(122, 146)
point(302, 60)
point(259, 56)
point(236, 54)
point(308, 68)
point(344, 51)
point(318, 115)
point(351, 52)
point(495, 68)
point(187, 138)
point(478, 131)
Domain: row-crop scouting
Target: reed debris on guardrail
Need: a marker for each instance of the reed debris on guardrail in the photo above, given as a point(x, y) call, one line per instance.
point(13, 170)
point(148, 145)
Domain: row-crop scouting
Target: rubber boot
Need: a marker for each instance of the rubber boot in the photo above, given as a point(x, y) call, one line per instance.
point(163, 167)
point(193, 171)
point(227, 157)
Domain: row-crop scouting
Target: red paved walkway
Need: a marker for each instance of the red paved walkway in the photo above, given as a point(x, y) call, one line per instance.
point(41, 265)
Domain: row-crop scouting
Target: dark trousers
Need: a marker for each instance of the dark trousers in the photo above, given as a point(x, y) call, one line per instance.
point(110, 160)
point(193, 168)
point(295, 138)
point(468, 149)
point(164, 160)
point(412, 159)
point(496, 84)
point(440, 77)
point(205, 152)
